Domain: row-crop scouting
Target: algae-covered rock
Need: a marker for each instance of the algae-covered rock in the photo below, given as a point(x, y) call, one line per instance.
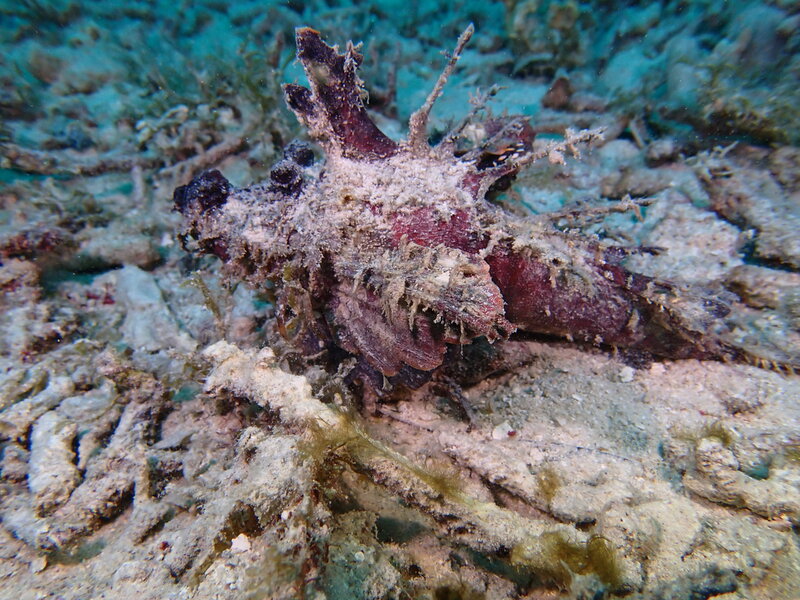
point(751, 198)
point(149, 324)
point(52, 474)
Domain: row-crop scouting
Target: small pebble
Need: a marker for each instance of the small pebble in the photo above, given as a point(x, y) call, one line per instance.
point(241, 543)
point(38, 564)
point(501, 432)
point(626, 374)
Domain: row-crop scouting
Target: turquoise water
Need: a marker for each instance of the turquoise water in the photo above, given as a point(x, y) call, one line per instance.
point(81, 75)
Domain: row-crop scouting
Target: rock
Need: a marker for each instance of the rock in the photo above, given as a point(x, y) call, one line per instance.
point(86, 407)
point(719, 479)
point(14, 464)
point(662, 151)
point(751, 198)
point(761, 287)
point(114, 246)
point(52, 472)
point(618, 153)
point(14, 421)
point(149, 325)
point(241, 543)
point(628, 71)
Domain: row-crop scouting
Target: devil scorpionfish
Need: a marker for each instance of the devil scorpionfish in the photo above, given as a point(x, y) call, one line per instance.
point(392, 253)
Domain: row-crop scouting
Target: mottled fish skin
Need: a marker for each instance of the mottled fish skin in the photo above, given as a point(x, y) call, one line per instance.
point(391, 253)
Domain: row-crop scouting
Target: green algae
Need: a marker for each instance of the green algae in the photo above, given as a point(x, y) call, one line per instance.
point(556, 559)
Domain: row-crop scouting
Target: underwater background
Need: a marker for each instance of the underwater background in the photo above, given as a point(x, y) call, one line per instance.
point(158, 436)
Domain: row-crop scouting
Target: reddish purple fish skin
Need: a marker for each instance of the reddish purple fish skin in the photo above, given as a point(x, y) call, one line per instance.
point(391, 253)
point(337, 94)
point(616, 315)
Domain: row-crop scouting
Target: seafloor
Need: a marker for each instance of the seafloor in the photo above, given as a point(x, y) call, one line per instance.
point(154, 446)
